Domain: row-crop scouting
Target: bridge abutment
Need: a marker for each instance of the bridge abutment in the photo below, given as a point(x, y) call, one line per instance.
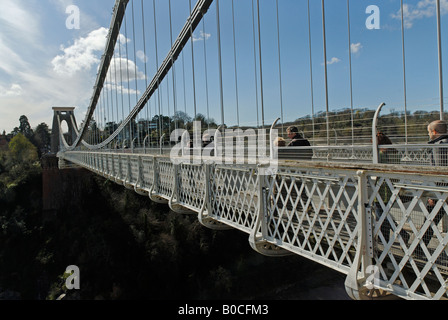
point(58, 181)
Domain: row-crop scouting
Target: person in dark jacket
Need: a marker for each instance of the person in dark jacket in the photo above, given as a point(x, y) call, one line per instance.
point(386, 155)
point(298, 141)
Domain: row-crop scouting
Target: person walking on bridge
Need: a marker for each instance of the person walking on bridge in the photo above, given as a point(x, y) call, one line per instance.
point(437, 131)
point(386, 155)
point(296, 139)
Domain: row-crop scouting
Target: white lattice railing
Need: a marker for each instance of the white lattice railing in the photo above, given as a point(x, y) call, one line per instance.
point(385, 227)
point(314, 213)
point(410, 232)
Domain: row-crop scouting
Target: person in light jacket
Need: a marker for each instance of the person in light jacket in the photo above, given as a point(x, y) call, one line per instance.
point(437, 131)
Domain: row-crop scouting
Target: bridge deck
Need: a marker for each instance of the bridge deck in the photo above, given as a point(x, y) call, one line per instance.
point(322, 211)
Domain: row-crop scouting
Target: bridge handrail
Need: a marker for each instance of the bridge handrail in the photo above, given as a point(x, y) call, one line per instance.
point(410, 155)
point(375, 146)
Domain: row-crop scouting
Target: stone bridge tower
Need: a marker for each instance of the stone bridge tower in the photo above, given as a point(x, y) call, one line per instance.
point(65, 114)
point(59, 178)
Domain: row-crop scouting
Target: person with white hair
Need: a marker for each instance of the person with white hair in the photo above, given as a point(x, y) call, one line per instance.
point(437, 131)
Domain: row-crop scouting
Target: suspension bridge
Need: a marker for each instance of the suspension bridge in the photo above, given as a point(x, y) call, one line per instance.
point(333, 198)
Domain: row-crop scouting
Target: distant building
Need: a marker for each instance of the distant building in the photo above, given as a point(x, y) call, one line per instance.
point(4, 140)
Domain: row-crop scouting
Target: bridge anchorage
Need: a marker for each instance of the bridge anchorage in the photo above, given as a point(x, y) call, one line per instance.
point(337, 192)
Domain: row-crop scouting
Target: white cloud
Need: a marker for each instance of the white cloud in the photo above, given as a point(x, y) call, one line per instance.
point(356, 47)
point(202, 36)
point(86, 53)
point(20, 35)
point(423, 9)
point(13, 91)
point(16, 18)
point(82, 55)
point(10, 61)
point(44, 90)
point(141, 56)
point(121, 89)
point(31, 64)
point(21, 50)
point(123, 70)
point(333, 61)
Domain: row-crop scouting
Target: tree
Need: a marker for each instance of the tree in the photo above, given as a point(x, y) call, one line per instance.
point(15, 131)
point(42, 138)
point(181, 118)
point(25, 128)
point(22, 150)
point(205, 122)
point(110, 128)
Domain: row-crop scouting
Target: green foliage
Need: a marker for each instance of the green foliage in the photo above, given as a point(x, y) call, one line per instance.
point(40, 137)
point(22, 150)
point(392, 124)
point(20, 209)
point(17, 165)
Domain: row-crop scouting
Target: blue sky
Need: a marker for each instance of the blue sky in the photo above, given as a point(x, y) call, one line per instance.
point(44, 64)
